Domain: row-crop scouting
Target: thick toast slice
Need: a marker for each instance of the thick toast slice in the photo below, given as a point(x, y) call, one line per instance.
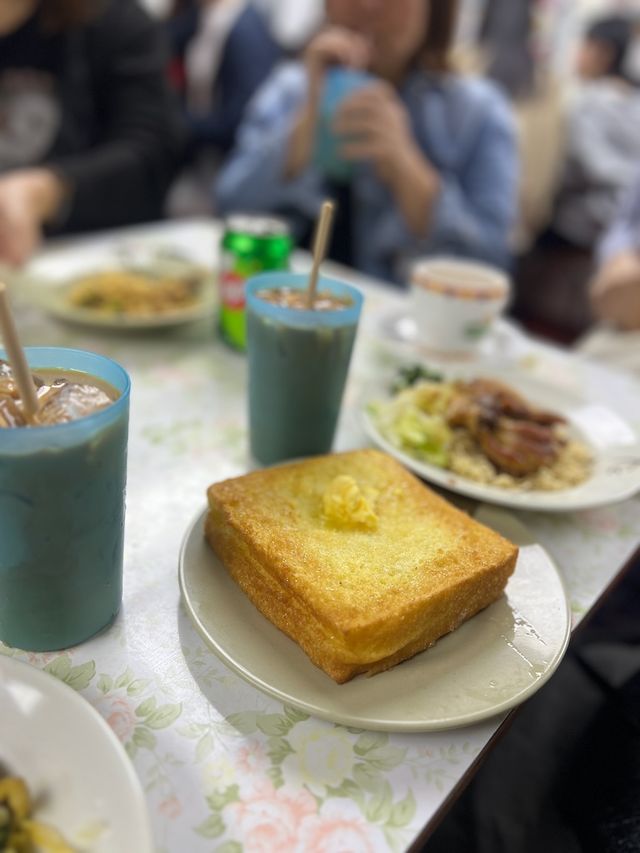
point(354, 558)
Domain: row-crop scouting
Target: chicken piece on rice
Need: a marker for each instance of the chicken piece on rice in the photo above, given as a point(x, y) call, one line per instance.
point(517, 437)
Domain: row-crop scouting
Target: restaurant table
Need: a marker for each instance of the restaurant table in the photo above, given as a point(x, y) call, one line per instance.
point(224, 766)
point(613, 348)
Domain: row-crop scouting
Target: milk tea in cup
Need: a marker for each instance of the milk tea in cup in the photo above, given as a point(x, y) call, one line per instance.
point(62, 490)
point(298, 363)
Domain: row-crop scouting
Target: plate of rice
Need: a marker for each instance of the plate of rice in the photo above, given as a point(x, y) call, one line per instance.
point(505, 437)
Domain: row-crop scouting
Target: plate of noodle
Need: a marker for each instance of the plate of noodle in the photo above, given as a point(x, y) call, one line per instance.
point(155, 295)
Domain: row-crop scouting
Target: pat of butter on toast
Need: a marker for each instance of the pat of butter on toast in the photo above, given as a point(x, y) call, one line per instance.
point(354, 558)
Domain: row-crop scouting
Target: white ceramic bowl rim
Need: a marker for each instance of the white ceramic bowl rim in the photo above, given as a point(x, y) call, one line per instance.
point(461, 275)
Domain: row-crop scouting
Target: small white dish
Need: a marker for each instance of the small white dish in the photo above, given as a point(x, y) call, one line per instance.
point(74, 765)
point(490, 664)
point(614, 444)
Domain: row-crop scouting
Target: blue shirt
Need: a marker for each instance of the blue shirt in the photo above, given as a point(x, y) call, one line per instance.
point(465, 129)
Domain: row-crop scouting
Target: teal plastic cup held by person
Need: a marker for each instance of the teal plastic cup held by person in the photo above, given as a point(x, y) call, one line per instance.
point(62, 492)
point(298, 365)
point(339, 83)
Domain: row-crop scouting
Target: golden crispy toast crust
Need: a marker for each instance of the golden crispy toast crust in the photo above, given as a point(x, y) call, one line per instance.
point(355, 599)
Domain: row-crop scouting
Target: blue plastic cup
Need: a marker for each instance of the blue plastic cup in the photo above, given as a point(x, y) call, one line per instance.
point(298, 365)
point(62, 491)
point(339, 83)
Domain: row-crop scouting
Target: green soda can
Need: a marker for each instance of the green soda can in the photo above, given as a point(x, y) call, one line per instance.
point(251, 244)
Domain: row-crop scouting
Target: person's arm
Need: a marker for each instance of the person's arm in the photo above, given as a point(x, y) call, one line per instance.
point(376, 128)
point(29, 198)
point(332, 46)
point(470, 212)
point(615, 289)
point(623, 235)
point(271, 166)
point(476, 211)
point(254, 176)
point(123, 177)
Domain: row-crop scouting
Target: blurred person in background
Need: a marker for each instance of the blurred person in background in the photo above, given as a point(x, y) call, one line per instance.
point(433, 154)
point(615, 289)
point(89, 133)
point(599, 154)
point(603, 138)
point(505, 36)
point(222, 51)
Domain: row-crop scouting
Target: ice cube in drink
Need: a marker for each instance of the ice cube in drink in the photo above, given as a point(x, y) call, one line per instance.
point(62, 397)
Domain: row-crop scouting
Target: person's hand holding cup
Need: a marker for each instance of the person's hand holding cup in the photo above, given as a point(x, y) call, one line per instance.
point(335, 62)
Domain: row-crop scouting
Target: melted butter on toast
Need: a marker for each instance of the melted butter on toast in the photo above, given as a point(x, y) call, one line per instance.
point(346, 505)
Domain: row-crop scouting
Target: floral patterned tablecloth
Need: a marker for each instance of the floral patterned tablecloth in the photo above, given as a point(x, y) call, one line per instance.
point(226, 768)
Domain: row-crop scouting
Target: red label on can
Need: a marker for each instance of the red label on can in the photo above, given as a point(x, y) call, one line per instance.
point(232, 289)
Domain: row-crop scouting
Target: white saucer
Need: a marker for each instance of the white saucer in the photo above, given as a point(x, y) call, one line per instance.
point(401, 328)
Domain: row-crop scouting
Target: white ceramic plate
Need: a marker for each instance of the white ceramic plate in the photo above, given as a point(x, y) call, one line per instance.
point(488, 665)
point(48, 283)
point(54, 299)
point(57, 306)
point(614, 443)
point(74, 765)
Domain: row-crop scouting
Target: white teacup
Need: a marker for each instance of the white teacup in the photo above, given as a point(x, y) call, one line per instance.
point(456, 302)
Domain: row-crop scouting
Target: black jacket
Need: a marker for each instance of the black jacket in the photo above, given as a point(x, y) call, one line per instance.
point(114, 132)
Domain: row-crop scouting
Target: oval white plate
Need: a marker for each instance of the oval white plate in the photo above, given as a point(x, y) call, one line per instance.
point(54, 299)
point(488, 665)
point(615, 446)
point(73, 763)
point(48, 279)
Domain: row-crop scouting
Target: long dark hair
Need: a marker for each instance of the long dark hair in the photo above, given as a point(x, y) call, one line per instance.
point(434, 53)
point(61, 15)
point(616, 33)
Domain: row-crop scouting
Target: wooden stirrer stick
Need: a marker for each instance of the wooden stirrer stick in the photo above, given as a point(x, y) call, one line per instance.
point(16, 356)
point(323, 230)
